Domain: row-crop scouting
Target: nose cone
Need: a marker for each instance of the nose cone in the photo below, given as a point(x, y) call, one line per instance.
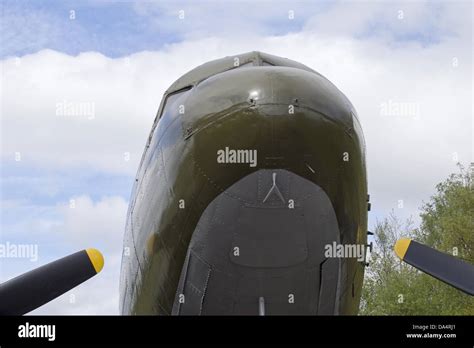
point(253, 87)
point(284, 118)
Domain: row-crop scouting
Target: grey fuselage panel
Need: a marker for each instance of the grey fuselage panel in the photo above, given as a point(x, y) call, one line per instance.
point(272, 249)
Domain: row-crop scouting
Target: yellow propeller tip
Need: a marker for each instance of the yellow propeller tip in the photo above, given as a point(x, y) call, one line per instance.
point(96, 259)
point(401, 247)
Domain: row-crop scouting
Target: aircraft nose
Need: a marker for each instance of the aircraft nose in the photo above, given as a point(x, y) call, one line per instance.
point(252, 87)
point(264, 117)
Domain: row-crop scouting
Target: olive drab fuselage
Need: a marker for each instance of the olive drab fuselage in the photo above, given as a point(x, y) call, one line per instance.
point(214, 236)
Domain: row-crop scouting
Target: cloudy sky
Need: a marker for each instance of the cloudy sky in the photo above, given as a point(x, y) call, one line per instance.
point(66, 178)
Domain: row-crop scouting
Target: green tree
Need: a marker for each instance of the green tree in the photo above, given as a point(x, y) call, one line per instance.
point(392, 287)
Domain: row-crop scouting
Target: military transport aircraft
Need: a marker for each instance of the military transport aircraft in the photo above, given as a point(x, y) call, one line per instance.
point(255, 164)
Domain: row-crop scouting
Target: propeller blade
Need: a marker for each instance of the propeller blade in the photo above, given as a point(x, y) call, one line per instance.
point(33, 289)
point(444, 267)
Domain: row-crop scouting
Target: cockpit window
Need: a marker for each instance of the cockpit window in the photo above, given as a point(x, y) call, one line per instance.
point(248, 64)
point(358, 130)
point(169, 110)
point(171, 99)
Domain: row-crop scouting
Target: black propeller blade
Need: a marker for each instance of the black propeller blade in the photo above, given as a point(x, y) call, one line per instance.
point(33, 289)
point(444, 267)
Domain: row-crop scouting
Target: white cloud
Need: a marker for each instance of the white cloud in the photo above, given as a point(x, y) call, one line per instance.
point(389, 20)
point(245, 19)
point(121, 100)
point(405, 155)
point(100, 225)
point(97, 224)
